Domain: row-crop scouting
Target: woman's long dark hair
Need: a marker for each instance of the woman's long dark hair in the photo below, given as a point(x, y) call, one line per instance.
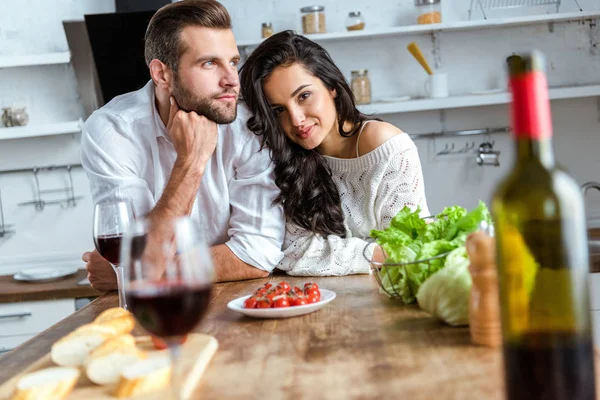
point(309, 196)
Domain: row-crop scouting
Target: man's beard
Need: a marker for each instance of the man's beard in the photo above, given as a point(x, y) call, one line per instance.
point(205, 105)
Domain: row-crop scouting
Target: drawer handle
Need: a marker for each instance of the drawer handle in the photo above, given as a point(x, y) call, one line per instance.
point(19, 315)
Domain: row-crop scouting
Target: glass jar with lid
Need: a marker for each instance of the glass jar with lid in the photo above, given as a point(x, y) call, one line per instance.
point(355, 21)
point(361, 86)
point(266, 30)
point(313, 19)
point(429, 11)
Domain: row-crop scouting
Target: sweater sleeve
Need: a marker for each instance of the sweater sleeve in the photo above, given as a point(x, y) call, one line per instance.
point(310, 254)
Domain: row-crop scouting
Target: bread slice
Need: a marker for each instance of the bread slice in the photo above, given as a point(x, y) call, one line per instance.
point(123, 324)
point(144, 376)
point(111, 313)
point(53, 383)
point(122, 343)
point(72, 350)
point(107, 369)
point(105, 362)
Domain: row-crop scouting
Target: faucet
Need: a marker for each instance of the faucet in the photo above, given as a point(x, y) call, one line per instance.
point(589, 185)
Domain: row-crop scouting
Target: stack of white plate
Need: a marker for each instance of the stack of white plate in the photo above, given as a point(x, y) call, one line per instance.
point(44, 274)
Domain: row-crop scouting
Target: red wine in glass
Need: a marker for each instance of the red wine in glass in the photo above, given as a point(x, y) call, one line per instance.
point(111, 219)
point(109, 247)
point(170, 309)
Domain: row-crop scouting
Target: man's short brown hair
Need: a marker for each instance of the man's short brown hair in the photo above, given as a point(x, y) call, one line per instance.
point(163, 35)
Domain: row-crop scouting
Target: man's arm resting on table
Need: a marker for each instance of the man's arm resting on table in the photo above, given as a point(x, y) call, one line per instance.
point(228, 266)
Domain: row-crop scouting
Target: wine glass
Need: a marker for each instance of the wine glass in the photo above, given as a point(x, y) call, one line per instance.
point(111, 219)
point(168, 274)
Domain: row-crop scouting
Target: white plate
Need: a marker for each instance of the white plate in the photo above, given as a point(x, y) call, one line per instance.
point(488, 91)
point(285, 312)
point(44, 274)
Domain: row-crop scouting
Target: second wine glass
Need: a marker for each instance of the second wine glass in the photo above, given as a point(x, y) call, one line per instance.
point(111, 219)
point(168, 280)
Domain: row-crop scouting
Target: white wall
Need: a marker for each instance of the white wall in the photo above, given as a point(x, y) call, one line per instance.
point(474, 60)
point(49, 93)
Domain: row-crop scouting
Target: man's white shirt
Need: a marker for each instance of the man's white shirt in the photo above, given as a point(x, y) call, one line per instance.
point(127, 154)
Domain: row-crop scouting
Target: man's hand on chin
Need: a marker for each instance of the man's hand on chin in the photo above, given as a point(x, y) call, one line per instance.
point(100, 273)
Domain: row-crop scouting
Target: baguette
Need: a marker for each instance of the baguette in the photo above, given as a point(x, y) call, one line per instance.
point(144, 376)
point(47, 384)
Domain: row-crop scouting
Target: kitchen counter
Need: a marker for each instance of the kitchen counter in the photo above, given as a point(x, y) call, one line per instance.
point(362, 345)
point(12, 291)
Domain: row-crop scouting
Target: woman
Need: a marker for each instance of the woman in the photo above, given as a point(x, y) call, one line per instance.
point(340, 174)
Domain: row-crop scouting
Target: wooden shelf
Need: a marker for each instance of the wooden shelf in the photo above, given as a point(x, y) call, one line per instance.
point(445, 27)
point(35, 59)
point(571, 92)
point(28, 131)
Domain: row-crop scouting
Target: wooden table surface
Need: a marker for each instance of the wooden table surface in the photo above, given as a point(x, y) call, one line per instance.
point(13, 291)
point(360, 346)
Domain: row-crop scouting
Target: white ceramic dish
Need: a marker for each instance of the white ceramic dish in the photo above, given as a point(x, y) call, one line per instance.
point(44, 274)
point(286, 312)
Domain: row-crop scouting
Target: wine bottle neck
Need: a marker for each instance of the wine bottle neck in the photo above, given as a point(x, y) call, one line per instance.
point(540, 150)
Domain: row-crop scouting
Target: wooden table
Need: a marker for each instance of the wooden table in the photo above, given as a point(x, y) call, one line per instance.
point(12, 291)
point(360, 346)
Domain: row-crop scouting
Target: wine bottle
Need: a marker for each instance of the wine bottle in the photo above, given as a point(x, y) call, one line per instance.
point(542, 255)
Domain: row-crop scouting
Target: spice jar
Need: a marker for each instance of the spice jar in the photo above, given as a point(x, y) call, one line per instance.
point(267, 29)
point(361, 86)
point(355, 21)
point(428, 11)
point(313, 19)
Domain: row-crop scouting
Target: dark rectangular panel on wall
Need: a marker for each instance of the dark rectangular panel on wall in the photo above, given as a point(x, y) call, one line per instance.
point(117, 42)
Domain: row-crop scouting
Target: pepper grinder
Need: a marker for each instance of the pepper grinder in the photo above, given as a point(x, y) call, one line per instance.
point(484, 304)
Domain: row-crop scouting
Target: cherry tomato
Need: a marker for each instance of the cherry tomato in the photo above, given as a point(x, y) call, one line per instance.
point(310, 291)
point(260, 292)
point(299, 301)
point(313, 299)
point(284, 285)
point(281, 301)
point(268, 285)
point(270, 294)
point(250, 302)
point(263, 303)
point(160, 344)
point(311, 284)
point(297, 291)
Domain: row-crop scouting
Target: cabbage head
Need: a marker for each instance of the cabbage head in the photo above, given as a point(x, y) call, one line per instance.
point(445, 295)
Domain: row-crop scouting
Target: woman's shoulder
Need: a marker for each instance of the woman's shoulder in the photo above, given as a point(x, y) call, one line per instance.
point(376, 133)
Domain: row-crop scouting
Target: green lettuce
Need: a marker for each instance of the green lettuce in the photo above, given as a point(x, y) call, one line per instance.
point(411, 238)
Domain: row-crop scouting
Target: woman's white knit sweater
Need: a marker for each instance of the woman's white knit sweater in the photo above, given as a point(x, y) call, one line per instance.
point(373, 188)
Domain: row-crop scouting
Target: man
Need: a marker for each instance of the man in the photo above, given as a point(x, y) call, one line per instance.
point(178, 146)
